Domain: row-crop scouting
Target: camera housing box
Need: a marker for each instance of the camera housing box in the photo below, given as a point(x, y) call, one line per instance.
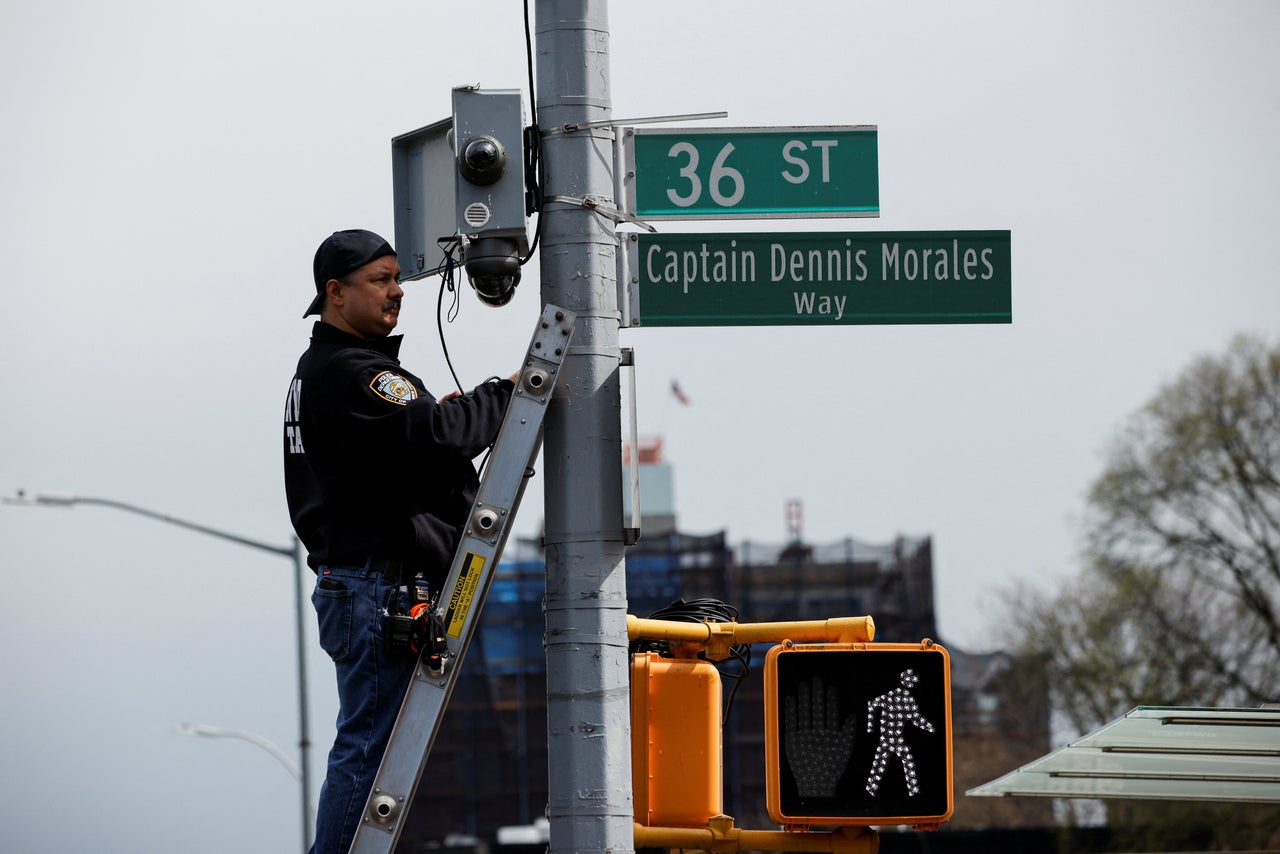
point(489, 174)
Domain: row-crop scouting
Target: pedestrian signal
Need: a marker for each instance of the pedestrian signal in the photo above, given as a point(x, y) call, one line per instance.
point(858, 734)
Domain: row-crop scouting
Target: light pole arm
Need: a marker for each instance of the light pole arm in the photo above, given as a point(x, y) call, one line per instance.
point(50, 499)
point(245, 735)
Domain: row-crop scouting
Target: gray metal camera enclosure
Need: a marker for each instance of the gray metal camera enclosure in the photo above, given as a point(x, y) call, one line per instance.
point(487, 120)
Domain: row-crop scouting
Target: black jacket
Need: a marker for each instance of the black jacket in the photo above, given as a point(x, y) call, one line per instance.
point(375, 466)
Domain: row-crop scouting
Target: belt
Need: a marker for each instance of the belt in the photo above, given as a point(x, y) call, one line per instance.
point(391, 568)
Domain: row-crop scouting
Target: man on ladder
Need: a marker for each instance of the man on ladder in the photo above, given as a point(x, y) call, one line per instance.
point(380, 482)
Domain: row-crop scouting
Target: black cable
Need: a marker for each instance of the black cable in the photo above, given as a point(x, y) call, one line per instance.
point(535, 177)
point(697, 611)
point(448, 280)
point(535, 168)
point(528, 55)
point(742, 654)
point(703, 611)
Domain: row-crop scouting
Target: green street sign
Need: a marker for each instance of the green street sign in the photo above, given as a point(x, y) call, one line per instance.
point(751, 173)
point(819, 278)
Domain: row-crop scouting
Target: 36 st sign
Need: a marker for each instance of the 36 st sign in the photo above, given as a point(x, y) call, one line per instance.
point(751, 173)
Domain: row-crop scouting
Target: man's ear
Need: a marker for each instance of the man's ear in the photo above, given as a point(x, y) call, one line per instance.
point(333, 292)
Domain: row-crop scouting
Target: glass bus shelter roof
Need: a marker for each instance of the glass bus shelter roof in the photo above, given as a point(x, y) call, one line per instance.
point(1161, 753)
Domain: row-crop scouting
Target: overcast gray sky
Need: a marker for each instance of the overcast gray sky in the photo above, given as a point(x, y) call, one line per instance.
point(167, 170)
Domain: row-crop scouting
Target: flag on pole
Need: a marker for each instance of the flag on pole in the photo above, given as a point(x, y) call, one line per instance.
point(680, 395)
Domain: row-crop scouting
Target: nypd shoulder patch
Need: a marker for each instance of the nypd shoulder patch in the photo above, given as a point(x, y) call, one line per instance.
point(393, 388)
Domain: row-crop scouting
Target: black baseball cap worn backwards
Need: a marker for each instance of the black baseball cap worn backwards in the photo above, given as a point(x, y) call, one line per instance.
point(341, 253)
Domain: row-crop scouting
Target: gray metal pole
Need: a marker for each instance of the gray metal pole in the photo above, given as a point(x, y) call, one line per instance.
point(304, 728)
point(588, 707)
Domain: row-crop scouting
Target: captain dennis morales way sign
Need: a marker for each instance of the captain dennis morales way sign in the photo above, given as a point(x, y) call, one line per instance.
point(819, 278)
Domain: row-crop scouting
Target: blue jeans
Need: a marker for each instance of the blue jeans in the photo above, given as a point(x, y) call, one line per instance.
point(350, 603)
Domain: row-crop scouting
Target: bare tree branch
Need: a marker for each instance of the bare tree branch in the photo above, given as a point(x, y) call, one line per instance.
point(1179, 601)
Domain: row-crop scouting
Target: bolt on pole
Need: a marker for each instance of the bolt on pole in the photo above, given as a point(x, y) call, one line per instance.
point(588, 709)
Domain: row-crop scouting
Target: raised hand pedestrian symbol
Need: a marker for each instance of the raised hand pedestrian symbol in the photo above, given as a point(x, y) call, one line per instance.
point(896, 709)
point(818, 744)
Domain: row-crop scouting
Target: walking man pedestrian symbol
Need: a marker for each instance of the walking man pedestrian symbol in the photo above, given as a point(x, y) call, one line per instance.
point(895, 709)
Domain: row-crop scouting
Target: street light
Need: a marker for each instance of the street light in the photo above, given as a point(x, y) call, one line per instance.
point(245, 735)
point(293, 552)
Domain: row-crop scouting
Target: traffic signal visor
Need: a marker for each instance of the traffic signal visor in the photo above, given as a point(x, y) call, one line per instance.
point(858, 734)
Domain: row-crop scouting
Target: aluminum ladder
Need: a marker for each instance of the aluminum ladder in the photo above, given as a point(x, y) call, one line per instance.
point(456, 610)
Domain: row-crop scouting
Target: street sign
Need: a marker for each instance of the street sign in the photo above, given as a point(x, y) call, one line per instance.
point(858, 734)
point(819, 278)
point(751, 173)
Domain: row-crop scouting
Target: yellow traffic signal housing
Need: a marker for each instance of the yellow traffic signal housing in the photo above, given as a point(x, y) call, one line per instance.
point(858, 734)
point(676, 776)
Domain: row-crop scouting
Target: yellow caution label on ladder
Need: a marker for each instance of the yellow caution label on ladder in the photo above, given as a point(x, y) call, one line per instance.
point(464, 592)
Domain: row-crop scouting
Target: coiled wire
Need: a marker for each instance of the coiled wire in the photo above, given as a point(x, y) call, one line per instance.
point(735, 668)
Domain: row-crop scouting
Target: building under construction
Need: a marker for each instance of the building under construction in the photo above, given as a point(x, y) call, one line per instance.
point(488, 768)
